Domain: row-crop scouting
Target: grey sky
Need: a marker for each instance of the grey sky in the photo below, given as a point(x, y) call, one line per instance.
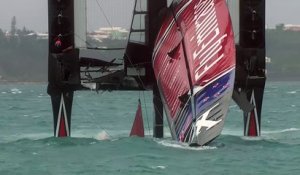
point(33, 13)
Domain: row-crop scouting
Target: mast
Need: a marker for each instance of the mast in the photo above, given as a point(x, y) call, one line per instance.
point(138, 55)
point(188, 68)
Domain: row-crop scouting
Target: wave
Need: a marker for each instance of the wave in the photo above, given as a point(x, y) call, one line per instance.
point(283, 111)
point(103, 135)
point(281, 131)
point(232, 132)
point(33, 136)
point(15, 91)
point(292, 92)
point(185, 146)
point(230, 137)
point(50, 142)
point(264, 134)
point(42, 96)
point(162, 167)
point(283, 137)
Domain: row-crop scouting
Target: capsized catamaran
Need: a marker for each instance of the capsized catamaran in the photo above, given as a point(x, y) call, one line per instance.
point(194, 64)
point(190, 67)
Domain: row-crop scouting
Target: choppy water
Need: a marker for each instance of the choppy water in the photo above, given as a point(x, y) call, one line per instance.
point(27, 145)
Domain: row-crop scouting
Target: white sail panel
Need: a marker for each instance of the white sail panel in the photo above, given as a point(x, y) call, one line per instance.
point(234, 10)
point(80, 23)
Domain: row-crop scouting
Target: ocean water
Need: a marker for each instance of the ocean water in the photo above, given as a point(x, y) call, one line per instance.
point(27, 145)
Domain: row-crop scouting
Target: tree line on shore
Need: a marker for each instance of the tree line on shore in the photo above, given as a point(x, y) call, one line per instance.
point(23, 57)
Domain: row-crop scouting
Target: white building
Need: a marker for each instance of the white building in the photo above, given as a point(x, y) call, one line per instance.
point(109, 33)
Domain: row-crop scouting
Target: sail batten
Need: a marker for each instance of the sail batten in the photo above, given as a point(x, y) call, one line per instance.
point(187, 65)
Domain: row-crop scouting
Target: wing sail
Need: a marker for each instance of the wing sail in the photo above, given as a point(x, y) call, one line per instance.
point(194, 62)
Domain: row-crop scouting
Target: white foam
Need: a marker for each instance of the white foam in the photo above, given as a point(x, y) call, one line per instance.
point(159, 167)
point(92, 143)
point(252, 138)
point(15, 91)
point(292, 92)
point(178, 145)
point(36, 116)
point(291, 129)
point(233, 106)
point(103, 135)
point(41, 96)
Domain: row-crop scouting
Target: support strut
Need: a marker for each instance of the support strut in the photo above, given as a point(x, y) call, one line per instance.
point(158, 124)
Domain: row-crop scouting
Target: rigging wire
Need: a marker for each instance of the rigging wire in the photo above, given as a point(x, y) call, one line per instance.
point(89, 44)
point(140, 20)
point(105, 57)
point(93, 118)
point(146, 112)
point(140, 79)
point(86, 42)
point(139, 76)
point(105, 16)
point(97, 48)
point(237, 35)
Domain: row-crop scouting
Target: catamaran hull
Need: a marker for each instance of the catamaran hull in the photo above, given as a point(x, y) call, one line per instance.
point(213, 102)
point(194, 64)
point(214, 115)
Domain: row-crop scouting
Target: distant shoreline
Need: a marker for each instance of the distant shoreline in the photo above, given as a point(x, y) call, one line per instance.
point(269, 79)
point(22, 82)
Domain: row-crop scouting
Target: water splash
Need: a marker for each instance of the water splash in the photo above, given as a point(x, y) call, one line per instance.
point(185, 146)
point(161, 167)
point(15, 91)
point(103, 135)
point(292, 92)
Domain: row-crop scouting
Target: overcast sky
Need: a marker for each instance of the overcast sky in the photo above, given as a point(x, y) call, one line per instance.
point(33, 13)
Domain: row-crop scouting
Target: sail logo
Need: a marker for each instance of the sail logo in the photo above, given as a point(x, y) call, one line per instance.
point(208, 38)
point(202, 121)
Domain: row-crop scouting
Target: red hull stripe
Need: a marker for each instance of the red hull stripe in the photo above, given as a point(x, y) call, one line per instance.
point(252, 125)
point(62, 128)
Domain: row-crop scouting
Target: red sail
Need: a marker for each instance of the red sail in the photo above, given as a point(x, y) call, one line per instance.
point(208, 38)
point(169, 67)
point(138, 125)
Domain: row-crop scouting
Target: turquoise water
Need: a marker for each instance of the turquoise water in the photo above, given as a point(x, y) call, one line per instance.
point(27, 145)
